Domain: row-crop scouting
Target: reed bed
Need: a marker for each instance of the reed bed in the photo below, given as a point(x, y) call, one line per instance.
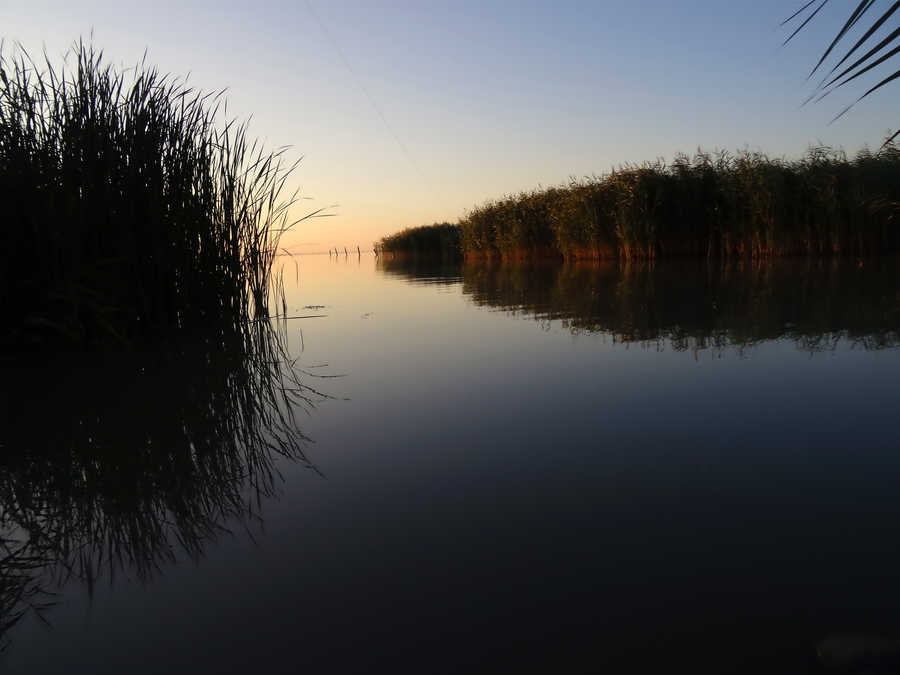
point(133, 219)
point(709, 205)
point(745, 204)
point(132, 213)
point(438, 240)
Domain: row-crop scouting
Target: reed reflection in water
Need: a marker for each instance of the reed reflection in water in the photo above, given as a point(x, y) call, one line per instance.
point(690, 305)
point(122, 463)
point(500, 496)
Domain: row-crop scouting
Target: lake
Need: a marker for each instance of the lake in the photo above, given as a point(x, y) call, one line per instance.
point(583, 468)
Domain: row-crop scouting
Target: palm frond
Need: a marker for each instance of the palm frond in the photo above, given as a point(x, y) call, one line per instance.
point(879, 51)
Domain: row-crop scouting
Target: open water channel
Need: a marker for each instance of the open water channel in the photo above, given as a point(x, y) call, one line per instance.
point(591, 468)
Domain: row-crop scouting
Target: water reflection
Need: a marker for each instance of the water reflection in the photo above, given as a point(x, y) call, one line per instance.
point(422, 272)
point(117, 463)
point(692, 305)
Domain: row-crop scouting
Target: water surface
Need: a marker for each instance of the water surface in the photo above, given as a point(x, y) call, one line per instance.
point(588, 469)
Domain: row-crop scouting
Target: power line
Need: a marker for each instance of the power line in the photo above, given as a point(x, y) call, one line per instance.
point(362, 86)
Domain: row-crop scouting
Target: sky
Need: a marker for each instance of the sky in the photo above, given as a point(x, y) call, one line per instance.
point(409, 113)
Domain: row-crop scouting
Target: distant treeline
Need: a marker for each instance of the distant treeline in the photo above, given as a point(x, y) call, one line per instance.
point(439, 240)
point(744, 204)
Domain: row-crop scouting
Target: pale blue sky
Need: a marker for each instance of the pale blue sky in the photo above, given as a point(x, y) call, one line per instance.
point(410, 113)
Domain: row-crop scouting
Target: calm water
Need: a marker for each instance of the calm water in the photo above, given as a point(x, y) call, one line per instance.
point(587, 469)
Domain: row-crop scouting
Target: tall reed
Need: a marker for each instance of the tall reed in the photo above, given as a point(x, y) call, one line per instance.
point(744, 204)
point(133, 217)
point(131, 213)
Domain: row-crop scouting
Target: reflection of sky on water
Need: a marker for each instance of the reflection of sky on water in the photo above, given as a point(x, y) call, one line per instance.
point(503, 491)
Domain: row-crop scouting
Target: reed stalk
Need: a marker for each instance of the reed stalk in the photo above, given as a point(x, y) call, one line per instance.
point(134, 211)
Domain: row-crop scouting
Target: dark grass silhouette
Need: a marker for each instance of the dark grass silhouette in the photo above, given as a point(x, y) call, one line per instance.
point(130, 214)
point(136, 257)
point(440, 239)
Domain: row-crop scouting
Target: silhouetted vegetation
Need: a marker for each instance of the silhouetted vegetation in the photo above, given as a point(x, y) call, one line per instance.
point(693, 305)
point(129, 216)
point(708, 205)
point(438, 240)
point(132, 220)
point(870, 58)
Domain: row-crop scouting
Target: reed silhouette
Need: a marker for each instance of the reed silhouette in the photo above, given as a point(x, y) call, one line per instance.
point(722, 205)
point(743, 205)
point(438, 240)
point(134, 211)
point(137, 256)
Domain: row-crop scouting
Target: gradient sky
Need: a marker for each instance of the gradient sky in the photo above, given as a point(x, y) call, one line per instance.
point(410, 113)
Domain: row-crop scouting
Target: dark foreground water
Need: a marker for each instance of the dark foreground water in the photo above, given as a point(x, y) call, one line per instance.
point(579, 469)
